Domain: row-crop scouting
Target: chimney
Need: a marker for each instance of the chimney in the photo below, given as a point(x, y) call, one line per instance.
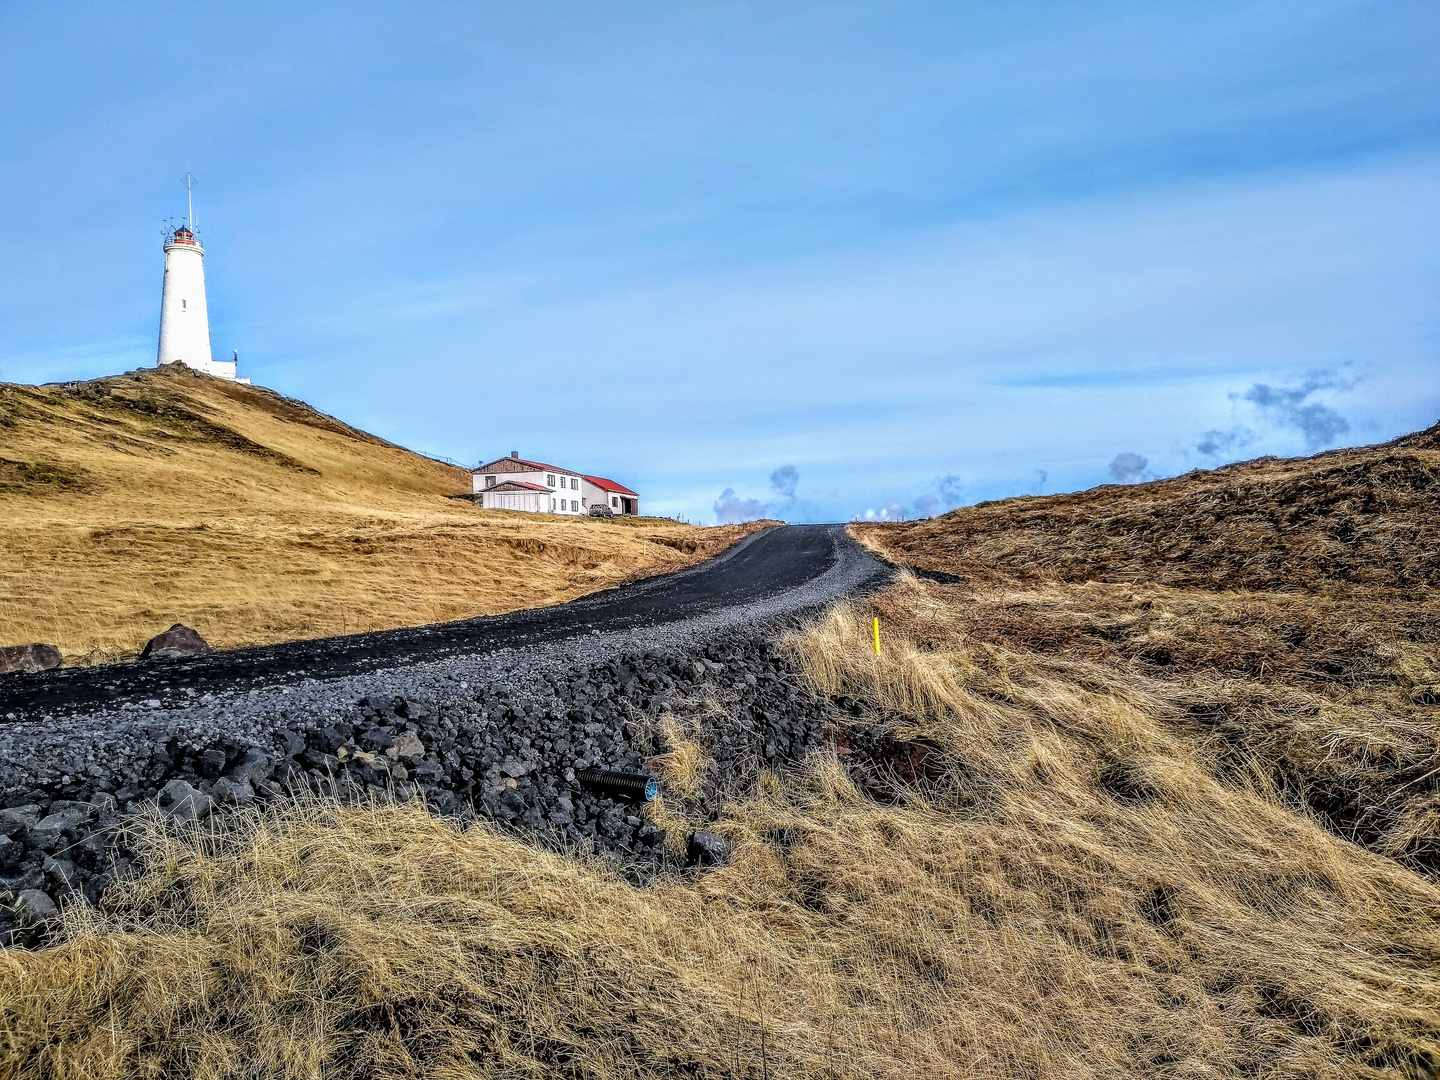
point(514, 453)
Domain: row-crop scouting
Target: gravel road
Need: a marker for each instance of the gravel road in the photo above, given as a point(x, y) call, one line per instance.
point(493, 716)
point(773, 571)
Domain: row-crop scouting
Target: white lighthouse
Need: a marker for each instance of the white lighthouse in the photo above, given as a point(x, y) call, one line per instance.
point(184, 320)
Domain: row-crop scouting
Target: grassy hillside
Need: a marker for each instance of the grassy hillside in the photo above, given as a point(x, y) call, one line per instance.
point(160, 496)
point(1285, 611)
point(1094, 811)
point(1328, 523)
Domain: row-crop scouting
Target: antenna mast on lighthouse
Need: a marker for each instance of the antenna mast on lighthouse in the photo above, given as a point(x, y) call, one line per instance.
point(189, 202)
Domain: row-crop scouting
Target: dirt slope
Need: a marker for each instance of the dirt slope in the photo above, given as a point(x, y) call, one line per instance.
point(132, 502)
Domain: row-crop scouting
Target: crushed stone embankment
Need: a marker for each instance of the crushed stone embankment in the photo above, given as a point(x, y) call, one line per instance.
point(501, 736)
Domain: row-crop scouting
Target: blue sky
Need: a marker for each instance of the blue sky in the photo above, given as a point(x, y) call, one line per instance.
point(832, 259)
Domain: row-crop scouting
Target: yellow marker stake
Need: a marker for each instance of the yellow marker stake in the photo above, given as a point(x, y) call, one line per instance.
point(877, 635)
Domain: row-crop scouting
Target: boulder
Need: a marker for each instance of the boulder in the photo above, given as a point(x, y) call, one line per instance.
point(233, 792)
point(28, 658)
point(63, 817)
point(377, 739)
point(11, 852)
point(19, 819)
point(182, 803)
point(254, 767)
point(177, 643)
point(63, 874)
point(35, 907)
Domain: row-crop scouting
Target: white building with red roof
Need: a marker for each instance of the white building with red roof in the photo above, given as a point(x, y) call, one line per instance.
point(618, 497)
point(516, 483)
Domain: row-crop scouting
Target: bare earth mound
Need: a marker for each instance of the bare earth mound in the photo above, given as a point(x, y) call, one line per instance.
point(130, 503)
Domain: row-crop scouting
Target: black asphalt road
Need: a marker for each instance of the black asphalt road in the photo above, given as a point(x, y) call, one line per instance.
point(763, 565)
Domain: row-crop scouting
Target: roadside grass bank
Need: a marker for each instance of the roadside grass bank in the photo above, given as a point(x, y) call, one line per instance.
point(999, 866)
point(134, 502)
point(1280, 616)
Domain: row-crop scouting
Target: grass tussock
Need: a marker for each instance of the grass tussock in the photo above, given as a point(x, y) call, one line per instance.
point(131, 503)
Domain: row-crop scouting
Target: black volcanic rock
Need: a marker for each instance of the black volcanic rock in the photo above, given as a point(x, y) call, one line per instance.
point(177, 643)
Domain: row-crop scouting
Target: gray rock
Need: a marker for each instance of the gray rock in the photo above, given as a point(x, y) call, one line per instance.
point(64, 817)
point(705, 849)
point(177, 643)
point(408, 746)
point(182, 803)
point(46, 837)
point(34, 907)
point(233, 792)
point(377, 740)
point(75, 813)
point(253, 767)
point(28, 658)
point(63, 874)
point(11, 852)
point(28, 877)
point(19, 819)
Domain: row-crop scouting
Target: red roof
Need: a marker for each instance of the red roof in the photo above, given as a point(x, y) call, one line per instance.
point(509, 484)
point(611, 485)
point(538, 466)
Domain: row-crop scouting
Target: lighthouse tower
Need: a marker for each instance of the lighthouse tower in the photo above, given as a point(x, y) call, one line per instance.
point(184, 320)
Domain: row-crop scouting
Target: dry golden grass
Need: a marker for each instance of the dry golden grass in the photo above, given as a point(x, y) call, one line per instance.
point(1072, 894)
point(130, 503)
point(1284, 611)
point(1099, 856)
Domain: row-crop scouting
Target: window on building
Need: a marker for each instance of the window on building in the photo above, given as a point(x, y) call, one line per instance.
point(574, 484)
point(489, 481)
point(574, 505)
point(615, 501)
point(552, 506)
point(549, 479)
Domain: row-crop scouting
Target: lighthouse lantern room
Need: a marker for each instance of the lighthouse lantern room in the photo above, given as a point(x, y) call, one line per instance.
point(184, 319)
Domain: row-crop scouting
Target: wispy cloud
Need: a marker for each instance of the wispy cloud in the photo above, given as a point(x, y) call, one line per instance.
point(947, 495)
point(784, 480)
point(1294, 407)
point(1218, 443)
point(731, 509)
point(1128, 468)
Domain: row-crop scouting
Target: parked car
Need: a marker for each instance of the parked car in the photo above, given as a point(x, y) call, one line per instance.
point(601, 510)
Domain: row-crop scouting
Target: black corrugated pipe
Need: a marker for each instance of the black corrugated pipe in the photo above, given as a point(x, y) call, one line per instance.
point(635, 786)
